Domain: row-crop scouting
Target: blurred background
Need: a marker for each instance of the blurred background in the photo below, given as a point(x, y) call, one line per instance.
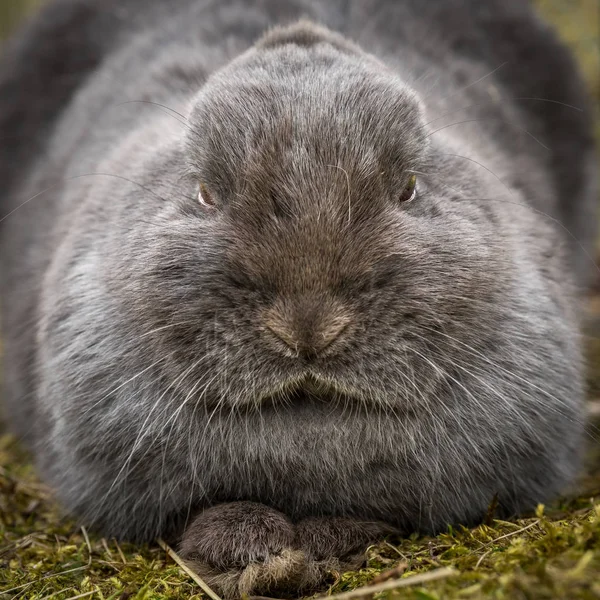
point(577, 21)
point(11, 11)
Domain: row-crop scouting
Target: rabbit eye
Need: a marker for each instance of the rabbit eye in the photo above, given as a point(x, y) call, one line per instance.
point(205, 197)
point(410, 190)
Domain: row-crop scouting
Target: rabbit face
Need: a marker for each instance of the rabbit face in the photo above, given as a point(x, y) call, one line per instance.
point(315, 254)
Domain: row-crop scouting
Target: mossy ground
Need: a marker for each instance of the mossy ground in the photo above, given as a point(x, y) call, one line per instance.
point(552, 554)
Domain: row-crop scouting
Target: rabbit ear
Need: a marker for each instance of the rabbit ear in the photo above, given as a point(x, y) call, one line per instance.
point(306, 33)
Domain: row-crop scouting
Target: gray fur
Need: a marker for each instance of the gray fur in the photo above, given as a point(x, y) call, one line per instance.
point(310, 343)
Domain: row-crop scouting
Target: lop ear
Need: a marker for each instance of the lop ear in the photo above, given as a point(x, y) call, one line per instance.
point(306, 33)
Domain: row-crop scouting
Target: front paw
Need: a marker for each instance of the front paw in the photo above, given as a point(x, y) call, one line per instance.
point(343, 539)
point(244, 548)
point(236, 534)
point(248, 548)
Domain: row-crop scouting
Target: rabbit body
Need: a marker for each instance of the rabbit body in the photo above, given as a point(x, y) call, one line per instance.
point(309, 339)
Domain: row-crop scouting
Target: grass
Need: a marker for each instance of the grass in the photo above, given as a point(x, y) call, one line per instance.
point(552, 554)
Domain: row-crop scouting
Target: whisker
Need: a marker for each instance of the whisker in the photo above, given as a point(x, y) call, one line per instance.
point(497, 366)
point(527, 206)
point(167, 108)
point(163, 328)
point(173, 419)
point(74, 177)
point(154, 104)
point(486, 118)
point(483, 167)
point(112, 391)
point(348, 184)
point(470, 85)
point(143, 432)
point(479, 104)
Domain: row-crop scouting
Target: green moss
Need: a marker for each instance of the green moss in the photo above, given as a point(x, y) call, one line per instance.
point(545, 556)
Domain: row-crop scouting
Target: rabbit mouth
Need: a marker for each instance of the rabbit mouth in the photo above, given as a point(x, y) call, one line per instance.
point(308, 390)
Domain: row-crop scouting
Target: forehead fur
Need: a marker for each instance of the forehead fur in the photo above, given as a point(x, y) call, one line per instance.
point(301, 101)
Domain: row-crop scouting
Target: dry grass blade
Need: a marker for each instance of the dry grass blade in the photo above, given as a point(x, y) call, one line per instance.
point(54, 594)
point(187, 570)
point(120, 552)
point(482, 558)
point(86, 595)
point(390, 573)
point(89, 546)
point(394, 584)
point(519, 531)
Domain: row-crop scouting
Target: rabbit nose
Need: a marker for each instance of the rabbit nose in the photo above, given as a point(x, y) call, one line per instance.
point(309, 325)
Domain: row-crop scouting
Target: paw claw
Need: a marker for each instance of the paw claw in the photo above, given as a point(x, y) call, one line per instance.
point(286, 573)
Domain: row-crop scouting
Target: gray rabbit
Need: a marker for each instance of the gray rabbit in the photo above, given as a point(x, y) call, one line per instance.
point(282, 278)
